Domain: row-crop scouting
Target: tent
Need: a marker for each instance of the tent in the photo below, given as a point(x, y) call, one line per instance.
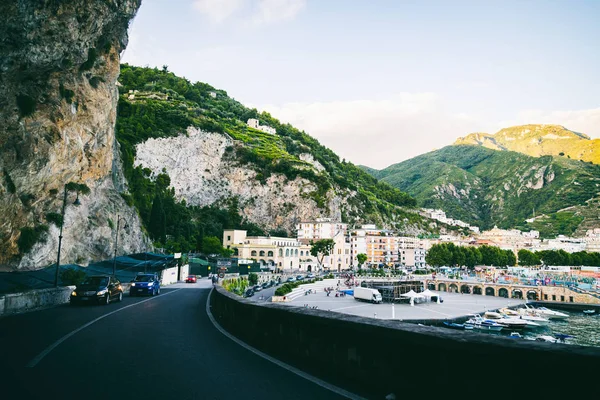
point(412, 295)
point(429, 294)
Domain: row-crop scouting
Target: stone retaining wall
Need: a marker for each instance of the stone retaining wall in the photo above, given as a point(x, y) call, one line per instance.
point(376, 357)
point(14, 303)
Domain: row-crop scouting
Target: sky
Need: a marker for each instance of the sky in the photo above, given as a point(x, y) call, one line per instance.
point(378, 81)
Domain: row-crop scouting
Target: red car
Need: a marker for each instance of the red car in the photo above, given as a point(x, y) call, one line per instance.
point(191, 279)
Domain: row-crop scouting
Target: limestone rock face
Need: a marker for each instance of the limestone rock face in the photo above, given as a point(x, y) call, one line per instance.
point(59, 63)
point(202, 175)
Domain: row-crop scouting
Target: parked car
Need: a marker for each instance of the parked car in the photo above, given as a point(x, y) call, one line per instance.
point(299, 277)
point(191, 279)
point(257, 288)
point(291, 279)
point(249, 293)
point(145, 284)
point(310, 276)
point(100, 289)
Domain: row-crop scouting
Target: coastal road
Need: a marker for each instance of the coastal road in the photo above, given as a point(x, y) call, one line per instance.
point(162, 347)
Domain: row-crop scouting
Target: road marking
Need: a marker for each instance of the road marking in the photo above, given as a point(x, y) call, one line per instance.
point(315, 380)
point(54, 345)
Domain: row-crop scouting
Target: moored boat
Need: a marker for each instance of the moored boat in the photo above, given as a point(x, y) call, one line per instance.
point(546, 313)
point(589, 311)
point(453, 325)
point(477, 322)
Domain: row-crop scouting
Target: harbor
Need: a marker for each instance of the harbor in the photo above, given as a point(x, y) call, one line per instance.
point(580, 326)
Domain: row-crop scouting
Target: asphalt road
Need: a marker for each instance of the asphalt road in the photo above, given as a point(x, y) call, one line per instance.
point(163, 347)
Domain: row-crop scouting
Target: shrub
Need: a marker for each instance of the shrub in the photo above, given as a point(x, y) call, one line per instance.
point(26, 105)
point(55, 218)
point(253, 278)
point(30, 236)
point(72, 276)
point(10, 185)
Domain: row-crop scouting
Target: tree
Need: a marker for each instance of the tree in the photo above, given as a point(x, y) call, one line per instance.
point(211, 245)
point(321, 248)
point(253, 278)
point(511, 259)
point(439, 255)
point(361, 258)
point(528, 258)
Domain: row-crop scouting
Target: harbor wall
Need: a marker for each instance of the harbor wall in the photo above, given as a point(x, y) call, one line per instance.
point(374, 358)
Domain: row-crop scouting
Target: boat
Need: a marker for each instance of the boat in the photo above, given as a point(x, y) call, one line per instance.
point(478, 322)
point(509, 311)
point(546, 338)
point(509, 322)
point(589, 311)
point(516, 335)
point(561, 337)
point(538, 321)
point(546, 313)
point(453, 325)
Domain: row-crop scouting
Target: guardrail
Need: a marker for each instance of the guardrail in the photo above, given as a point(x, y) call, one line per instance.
point(15, 303)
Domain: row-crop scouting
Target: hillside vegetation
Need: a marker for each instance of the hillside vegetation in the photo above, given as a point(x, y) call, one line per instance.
point(539, 140)
point(166, 105)
point(488, 187)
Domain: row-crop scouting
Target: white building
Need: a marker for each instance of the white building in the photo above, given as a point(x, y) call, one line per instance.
point(277, 253)
point(213, 95)
point(322, 228)
point(254, 123)
point(570, 245)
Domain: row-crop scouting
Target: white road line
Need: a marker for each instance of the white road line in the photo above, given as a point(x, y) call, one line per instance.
point(54, 345)
point(315, 380)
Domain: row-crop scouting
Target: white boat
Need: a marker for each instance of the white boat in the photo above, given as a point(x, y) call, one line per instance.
point(509, 311)
point(477, 322)
point(538, 321)
point(509, 322)
point(546, 313)
point(589, 311)
point(546, 338)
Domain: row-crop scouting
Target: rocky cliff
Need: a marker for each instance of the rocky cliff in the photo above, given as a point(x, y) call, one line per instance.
point(59, 64)
point(538, 140)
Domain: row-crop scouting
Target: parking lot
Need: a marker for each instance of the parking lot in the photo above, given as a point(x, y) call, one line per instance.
point(454, 305)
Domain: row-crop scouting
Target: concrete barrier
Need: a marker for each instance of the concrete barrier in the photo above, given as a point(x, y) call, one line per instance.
point(14, 303)
point(374, 358)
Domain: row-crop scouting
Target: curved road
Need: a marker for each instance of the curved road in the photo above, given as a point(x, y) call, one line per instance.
point(163, 347)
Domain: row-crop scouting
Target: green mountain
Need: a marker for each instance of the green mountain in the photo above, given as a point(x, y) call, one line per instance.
point(488, 187)
point(539, 140)
point(289, 170)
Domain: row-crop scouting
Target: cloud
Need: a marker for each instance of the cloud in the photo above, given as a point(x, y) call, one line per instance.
point(382, 132)
point(259, 12)
point(219, 10)
point(270, 11)
point(582, 121)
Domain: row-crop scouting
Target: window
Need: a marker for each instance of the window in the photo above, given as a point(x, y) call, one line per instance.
point(570, 299)
point(287, 252)
point(228, 237)
point(301, 253)
point(280, 252)
point(253, 253)
point(545, 297)
point(270, 254)
point(296, 253)
point(562, 298)
point(554, 297)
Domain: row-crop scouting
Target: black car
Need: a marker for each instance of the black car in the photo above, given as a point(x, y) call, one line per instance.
point(257, 288)
point(100, 289)
point(249, 293)
point(145, 284)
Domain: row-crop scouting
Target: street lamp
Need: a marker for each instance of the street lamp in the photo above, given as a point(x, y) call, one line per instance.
point(71, 186)
point(117, 242)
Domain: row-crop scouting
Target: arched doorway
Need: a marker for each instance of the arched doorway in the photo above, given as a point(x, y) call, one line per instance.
point(431, 286)
point(532, 295)
point(476, 289)
point(442, 287)
point(517, 294)
point(503, 292)
point(453, 288)
point(490, 291)
point(309, 268)
point(465, 289)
